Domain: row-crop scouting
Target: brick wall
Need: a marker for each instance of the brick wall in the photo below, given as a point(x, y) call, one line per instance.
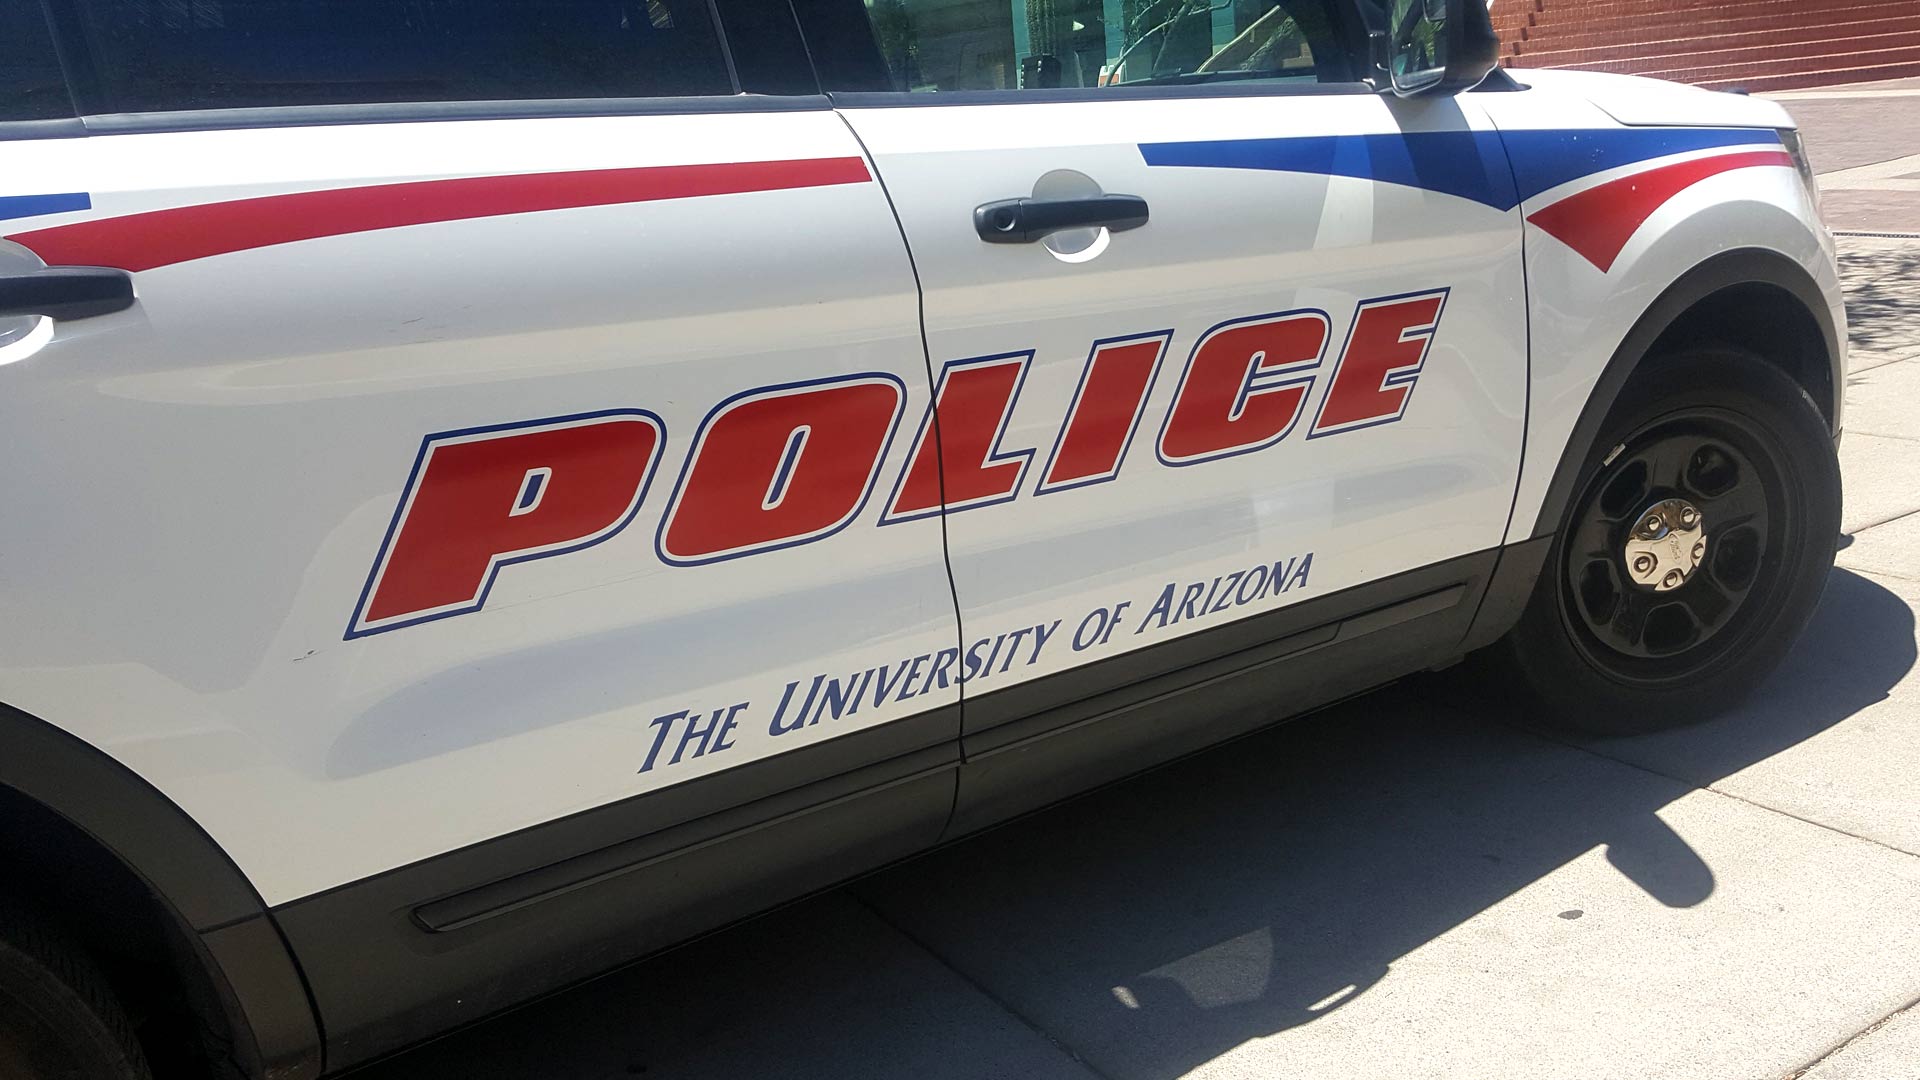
point(1755, 44)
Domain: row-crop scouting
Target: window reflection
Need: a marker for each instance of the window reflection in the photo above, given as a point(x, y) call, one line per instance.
point(951, 45)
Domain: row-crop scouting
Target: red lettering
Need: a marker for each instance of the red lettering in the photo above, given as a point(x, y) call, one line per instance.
point(482, 499)
point(1385, 351)
point(1243, 387)
point(1105, 412)
point(781, 466)
point(974, 403)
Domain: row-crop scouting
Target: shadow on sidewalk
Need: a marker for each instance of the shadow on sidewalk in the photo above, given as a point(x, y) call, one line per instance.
point(1882, 283)
point(1164, 921)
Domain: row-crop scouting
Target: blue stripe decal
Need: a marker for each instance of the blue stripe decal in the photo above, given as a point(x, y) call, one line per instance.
point(1470, 164)
point(1543, 160)
point(530, 493)
point(19, 206)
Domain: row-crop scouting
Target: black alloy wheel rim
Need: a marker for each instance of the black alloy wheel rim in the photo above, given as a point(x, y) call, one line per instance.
point(1716, 461)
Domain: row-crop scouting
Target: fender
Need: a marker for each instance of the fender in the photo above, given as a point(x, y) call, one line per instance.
point(1742, 266)
point(264, 997)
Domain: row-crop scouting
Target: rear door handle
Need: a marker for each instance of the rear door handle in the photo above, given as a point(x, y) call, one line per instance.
point(66, 292)
point(1022, 221)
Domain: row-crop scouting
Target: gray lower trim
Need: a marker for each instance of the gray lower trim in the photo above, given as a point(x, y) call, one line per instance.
point(263, 990)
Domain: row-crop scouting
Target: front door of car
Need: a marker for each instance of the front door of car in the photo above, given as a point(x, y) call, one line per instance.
point(1284, 354)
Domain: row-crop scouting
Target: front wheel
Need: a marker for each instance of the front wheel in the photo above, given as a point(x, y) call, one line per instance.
point(1692, 553)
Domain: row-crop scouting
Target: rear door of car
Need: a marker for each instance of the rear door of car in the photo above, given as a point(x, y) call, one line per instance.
point(1285, 359)
point(482, 479)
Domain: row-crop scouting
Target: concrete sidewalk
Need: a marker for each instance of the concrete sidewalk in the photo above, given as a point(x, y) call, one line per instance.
point(1864, 142)
point(1412, 885)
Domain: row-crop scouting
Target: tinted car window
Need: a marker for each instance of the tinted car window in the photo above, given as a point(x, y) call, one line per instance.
point(149, 55)
point(949, 45)
point(31, 87)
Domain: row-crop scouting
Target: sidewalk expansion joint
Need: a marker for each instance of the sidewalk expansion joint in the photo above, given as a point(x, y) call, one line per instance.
point(1870, 572)
point(1875, 364)
point(1901, 516)
point(979, 987)
point(1712, 790)
point(1850, 1040)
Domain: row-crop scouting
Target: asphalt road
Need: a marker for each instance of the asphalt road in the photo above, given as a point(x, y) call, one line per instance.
point(1412, 885)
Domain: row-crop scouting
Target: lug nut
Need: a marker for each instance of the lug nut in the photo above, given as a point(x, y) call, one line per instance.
point(1688, 516)
point(1673, 578)
point(1699, 549)
point(1643, 564)
point(1651, 526)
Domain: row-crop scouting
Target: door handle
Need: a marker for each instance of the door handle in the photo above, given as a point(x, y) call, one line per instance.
point(66, 292)
point(1022, 221)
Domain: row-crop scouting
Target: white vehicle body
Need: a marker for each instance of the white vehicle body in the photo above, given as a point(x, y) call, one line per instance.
point(244, 564)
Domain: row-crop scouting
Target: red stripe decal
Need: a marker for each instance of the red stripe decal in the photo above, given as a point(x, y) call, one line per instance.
point(1599, 221)
point(162, 237)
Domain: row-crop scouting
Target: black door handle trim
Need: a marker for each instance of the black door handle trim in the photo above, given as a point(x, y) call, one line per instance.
point(1022, 221)
point(66, 292)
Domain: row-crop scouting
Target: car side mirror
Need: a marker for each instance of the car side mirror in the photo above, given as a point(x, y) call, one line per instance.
point(1439, 46)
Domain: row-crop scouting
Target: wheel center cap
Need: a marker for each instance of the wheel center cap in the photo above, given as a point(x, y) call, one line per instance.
point(1668, 541)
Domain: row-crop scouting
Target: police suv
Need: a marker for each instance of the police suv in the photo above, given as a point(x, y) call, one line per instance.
point(493, 488)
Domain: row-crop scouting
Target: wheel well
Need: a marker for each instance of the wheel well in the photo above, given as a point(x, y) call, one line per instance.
point(1751, 298)
point(150, 959)
point(1766, 320)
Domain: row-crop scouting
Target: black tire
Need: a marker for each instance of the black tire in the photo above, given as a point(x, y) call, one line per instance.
point(1763, 462)
point(58, 1020)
